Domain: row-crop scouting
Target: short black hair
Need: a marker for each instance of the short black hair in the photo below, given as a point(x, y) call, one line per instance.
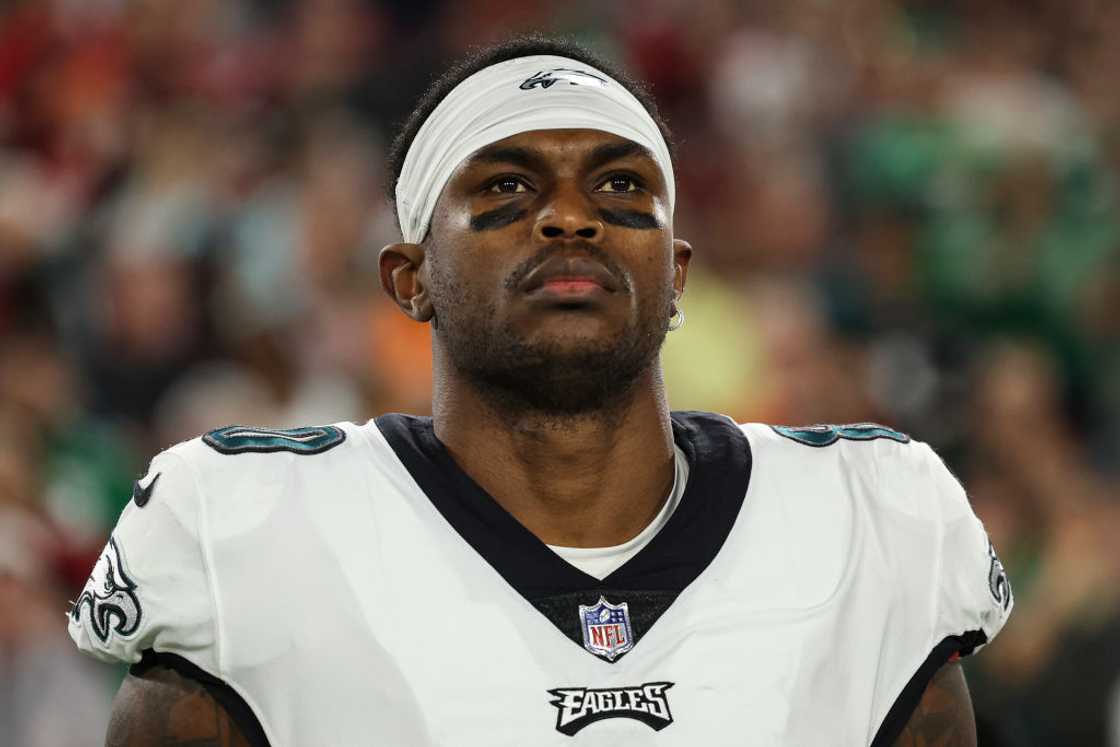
point(483, 57)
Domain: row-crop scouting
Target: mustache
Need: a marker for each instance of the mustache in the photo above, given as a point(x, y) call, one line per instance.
point(506, 215)
point(546, 253)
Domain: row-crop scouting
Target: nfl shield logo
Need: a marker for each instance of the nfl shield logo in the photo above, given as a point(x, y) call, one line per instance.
point(606, 629)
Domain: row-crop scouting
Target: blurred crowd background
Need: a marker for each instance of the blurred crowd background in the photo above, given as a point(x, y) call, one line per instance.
point(903, 211)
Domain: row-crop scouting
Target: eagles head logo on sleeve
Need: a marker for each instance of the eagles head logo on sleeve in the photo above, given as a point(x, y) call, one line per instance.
point(108, 604)
point(997, 580)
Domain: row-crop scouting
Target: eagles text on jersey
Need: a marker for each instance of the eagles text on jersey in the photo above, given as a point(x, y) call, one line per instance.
point(344, 584)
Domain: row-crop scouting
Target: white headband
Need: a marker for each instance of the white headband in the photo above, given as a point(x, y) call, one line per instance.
point(543, 92)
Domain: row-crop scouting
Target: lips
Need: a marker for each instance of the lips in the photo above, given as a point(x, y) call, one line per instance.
point(569, 273)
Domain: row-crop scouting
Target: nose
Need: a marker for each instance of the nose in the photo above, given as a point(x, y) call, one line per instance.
point(568, 215)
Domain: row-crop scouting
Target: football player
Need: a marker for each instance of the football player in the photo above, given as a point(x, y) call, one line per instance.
point(554, 557)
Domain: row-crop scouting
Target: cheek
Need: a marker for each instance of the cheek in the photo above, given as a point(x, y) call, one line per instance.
point(664, 217)
point(661, 271)
point(481, 261)
point(451, 254)
point(451, 221)
point(452, 230)
point(461, 276)
point(654, 260)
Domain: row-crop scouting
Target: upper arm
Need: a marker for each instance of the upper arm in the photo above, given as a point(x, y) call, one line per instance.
point(943, 717)
point(162, 707)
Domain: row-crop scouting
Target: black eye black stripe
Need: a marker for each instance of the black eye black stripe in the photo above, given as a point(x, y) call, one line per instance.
point(507, 214)
point(497, 218)
point(629, 218)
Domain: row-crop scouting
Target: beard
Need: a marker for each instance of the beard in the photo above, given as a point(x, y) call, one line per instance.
point(556, 378)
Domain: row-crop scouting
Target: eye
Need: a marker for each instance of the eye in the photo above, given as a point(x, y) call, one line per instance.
point(618, 183)
point(507, 185)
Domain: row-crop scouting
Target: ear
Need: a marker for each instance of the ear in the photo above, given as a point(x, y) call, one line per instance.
point(682, 254)
point(402, 277)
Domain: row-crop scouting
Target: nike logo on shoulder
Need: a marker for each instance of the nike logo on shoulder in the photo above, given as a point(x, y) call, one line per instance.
point(142, 495)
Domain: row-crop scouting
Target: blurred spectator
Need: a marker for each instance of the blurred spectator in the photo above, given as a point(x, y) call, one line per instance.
point(1056, 521)
point(51, 696)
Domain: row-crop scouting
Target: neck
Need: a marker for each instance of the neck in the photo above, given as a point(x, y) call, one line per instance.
point(588, 480)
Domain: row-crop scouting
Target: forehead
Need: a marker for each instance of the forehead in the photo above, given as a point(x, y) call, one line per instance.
point(560, 146)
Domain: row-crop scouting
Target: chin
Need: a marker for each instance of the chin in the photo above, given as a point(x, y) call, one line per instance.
point(558, 364)
point(570, 373)
point(576, 329)
point(575, 341)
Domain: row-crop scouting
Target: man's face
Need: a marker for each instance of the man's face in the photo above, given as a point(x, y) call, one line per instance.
point(552, 270)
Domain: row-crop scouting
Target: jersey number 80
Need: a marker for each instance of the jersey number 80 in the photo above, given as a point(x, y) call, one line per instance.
point(239, 439)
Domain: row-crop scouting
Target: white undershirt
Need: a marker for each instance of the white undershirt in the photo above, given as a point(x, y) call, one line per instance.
point(600, 562)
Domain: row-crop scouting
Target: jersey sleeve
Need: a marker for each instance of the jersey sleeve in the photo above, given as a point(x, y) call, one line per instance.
point(149, 589)
point(973, 597)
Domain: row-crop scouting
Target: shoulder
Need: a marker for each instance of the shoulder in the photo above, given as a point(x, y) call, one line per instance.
point(884, 468)
point(243, 447)
point(908, 506)
point(180, 478)
point(302, 441)
point(153, 585)
point(861, 450)
point(241, 462)
point(860, 443)
point(878, 467)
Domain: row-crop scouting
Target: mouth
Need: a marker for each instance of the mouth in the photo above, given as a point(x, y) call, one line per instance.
point(572, 278)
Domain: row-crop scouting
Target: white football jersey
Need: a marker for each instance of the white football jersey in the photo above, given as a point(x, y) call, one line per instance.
point(351, 585)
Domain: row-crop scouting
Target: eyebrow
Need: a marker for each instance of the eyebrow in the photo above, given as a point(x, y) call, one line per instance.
point(531, 159)
point(608, 152)
point(523, 157)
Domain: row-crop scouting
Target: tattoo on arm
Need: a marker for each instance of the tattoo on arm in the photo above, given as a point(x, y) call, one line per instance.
point(163, 708)
point(944, 716)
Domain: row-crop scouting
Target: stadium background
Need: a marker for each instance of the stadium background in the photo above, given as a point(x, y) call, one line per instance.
point(902, 211)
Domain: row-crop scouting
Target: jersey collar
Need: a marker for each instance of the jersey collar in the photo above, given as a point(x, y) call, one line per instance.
point(719, 458)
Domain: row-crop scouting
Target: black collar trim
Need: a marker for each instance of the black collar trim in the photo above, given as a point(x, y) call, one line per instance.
point(719, 458)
